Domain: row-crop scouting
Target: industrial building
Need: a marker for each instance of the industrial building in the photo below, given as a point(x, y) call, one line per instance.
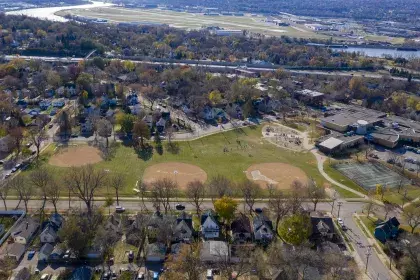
point(310, 97)
point(353, 125)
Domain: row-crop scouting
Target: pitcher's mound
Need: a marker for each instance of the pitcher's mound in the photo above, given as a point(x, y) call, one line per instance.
point(181, 173)
point(75, 156)
point(280, 174)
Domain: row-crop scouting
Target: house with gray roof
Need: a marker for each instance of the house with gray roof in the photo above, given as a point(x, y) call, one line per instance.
point(45, 252)
point(25, 231)
point(210, 227)
point(49, 234)
point(263, 229)
point(15, 251)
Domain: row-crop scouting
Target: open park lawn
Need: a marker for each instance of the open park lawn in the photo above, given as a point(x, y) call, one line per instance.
point(230, 154)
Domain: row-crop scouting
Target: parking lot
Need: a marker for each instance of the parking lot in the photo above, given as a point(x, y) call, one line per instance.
point(406, 156)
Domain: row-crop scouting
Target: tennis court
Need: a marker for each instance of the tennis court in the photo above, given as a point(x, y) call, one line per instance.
point(368, 175)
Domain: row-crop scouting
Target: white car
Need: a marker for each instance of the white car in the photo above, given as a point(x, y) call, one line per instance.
point(45, 277)
point(340, 221)
point(119, 209)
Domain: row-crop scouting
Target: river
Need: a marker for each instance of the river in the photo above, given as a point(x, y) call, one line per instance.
point(380, 52)
point(49, 12)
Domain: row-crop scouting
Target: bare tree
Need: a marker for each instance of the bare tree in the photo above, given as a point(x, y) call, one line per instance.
point(186, 265)
point(117, 182)
point(250, 192)
point(104, 129)
point(37, 134)
point(18, 136)
point(40, 178)
point(24, 189)
point(53, 193)
point(279, 205)
point(83, 182)
point(169, 134)
point(196, 192)
point(4, 192)
point(315, 193)
point(297, 196)
point(219, 186)
point(411, 214)
point(162, 190)
point(369, 148)
point(369, 206)
point(388, 207)
point(233, 266)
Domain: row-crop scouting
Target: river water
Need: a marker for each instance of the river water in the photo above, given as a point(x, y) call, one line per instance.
point(379, 52)
point(49, 12)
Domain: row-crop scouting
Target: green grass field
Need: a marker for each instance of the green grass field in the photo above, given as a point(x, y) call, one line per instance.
point(207, 153)
point(186, 20)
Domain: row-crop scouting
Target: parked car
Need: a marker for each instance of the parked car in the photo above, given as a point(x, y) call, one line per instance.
point(50, 125)
point(17, 166)
point(180, 207)
point(119, 209)
point(155, 276)
point(45, 276)
point(209, 274)
point(411, 169)
point(31, 254)
point(14, 169)
point(28, 144)
point(7, 175)
point(140, 276)
point(340, 221)
point(130, 256)
point(344, 227)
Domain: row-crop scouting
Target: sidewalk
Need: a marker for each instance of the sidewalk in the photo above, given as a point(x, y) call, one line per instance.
point(377, 247)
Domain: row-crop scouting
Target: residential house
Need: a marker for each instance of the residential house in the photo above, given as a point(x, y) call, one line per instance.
point(160, 125)
point(58, 103)
point(86, 127)
point(57, 253)
point(68, 91)
point(155, 252)
point(153, 225)
point(25, 231)
point(207, 113)
point(23, 274)
point(214, 251)
point(241, 230)
point(263, 229)
point(6, 144)
point(148, 119)
point(15, 251)
point(49, 234)
point(184, 229)
point(387, 230)
point(114, 225)
point(56, 220)
point(135, 109)
point(45, 252)
point(322, 227)
point(132, 99)
point(81, 273)
point(210, 227)
point(44, 104)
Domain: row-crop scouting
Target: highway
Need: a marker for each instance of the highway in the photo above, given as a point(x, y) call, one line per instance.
point(200, 63)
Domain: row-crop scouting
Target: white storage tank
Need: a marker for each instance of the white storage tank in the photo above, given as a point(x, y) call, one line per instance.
point(361, 127)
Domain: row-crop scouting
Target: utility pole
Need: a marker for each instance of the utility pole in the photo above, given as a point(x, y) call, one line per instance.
point(339, 207)
point(334, 199)
point(368, 254)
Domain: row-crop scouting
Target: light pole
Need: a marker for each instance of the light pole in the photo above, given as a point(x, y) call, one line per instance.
point(339, 207)
point(368, 254)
